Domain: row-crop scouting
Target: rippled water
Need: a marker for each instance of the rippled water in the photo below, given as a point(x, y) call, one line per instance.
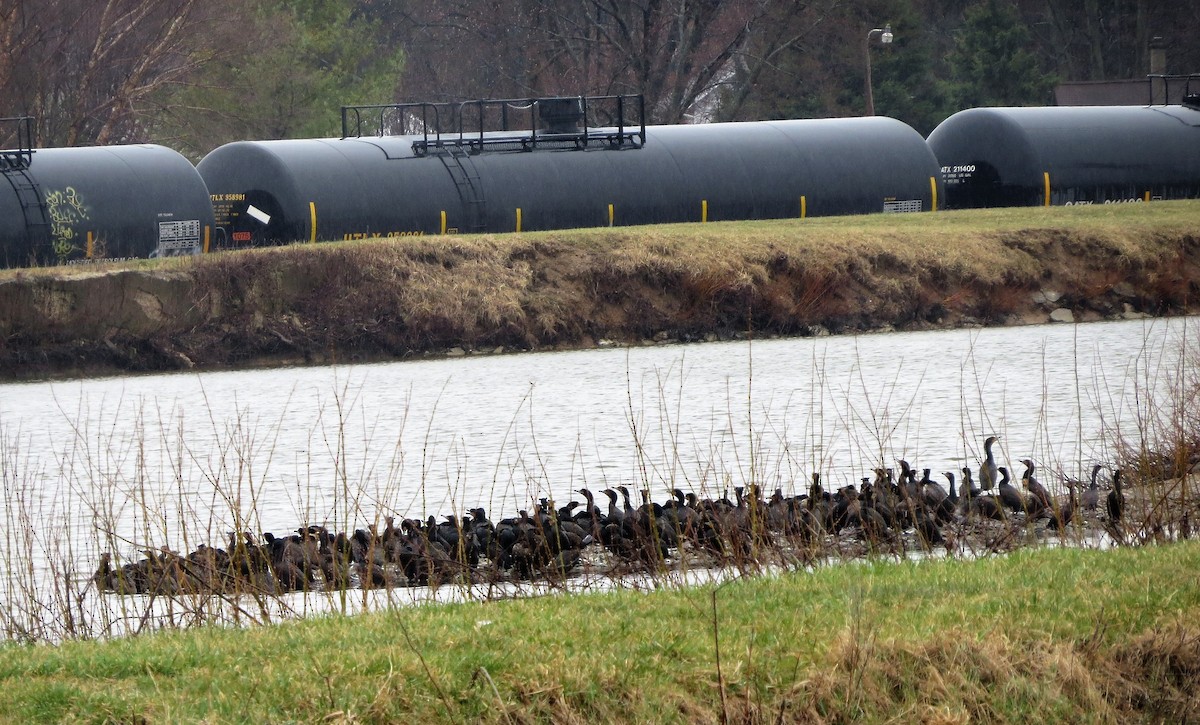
point(168, 459)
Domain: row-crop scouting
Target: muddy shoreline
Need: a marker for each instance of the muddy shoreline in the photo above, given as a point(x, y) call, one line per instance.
point(393, 300)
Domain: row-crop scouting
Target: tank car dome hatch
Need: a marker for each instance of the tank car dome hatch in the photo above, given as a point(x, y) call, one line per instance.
point(1068, 155)
point(71, 205)
point(386, 186)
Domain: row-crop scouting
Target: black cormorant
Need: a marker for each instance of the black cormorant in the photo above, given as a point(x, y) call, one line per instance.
point(989, 472)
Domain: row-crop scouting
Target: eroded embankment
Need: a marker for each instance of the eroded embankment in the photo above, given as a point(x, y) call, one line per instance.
point(385, 299)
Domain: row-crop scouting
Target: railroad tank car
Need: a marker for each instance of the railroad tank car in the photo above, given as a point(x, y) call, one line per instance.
point(70, 205)
point(565, 176)
point(1068, 155)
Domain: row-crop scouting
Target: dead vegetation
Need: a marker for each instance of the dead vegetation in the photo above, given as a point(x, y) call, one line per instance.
point(399, 298)
point(956, 676)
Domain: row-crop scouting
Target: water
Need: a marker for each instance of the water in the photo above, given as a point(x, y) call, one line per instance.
point(177, 460)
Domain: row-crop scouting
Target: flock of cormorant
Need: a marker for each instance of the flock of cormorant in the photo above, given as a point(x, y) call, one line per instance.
point(550, 543)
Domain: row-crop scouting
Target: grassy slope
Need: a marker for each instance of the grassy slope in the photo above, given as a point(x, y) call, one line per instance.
point(1038, 636)
point(958, 228)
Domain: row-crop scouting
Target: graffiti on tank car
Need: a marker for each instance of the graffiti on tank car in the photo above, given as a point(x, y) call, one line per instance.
point(382, 235)
point(66, 209)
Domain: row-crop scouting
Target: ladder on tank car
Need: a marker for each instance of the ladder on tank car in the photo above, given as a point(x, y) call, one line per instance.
point(470, 190)
point(33, 204)
point(22, 156)
point(14, 166)
point(458, 132)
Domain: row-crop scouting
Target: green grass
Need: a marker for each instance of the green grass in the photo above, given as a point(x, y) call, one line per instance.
point(1041, 635)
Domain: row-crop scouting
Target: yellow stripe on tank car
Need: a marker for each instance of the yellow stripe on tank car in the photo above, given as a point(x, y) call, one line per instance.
point(207, 237)
point(1147, 197)
point(803, 206)
point(704, 211)
point(518, 219)
point(1046, 180)
point(312, 214)
point(443, 222)
point(933, 190)
point(91, 244)
point(612, 214)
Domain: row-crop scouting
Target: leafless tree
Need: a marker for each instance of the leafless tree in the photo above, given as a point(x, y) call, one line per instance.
point(676, 52)
point(84, 67)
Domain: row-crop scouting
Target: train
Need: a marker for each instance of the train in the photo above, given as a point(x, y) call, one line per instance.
point(551, 166)
point(513, 165)
point(60, 205)
point(1066, 155)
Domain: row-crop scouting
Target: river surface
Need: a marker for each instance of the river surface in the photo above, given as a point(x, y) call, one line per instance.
point(181, 459)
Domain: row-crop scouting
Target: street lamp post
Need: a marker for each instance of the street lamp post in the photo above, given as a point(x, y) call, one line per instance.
point(885, 37)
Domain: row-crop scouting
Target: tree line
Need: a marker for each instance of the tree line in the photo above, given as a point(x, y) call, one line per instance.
point(193, 74)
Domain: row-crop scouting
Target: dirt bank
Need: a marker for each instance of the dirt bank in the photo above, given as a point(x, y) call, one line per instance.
point(395, 299)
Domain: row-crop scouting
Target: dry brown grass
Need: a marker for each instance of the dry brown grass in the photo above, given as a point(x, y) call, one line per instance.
point(388, 298)
point(958, 676)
